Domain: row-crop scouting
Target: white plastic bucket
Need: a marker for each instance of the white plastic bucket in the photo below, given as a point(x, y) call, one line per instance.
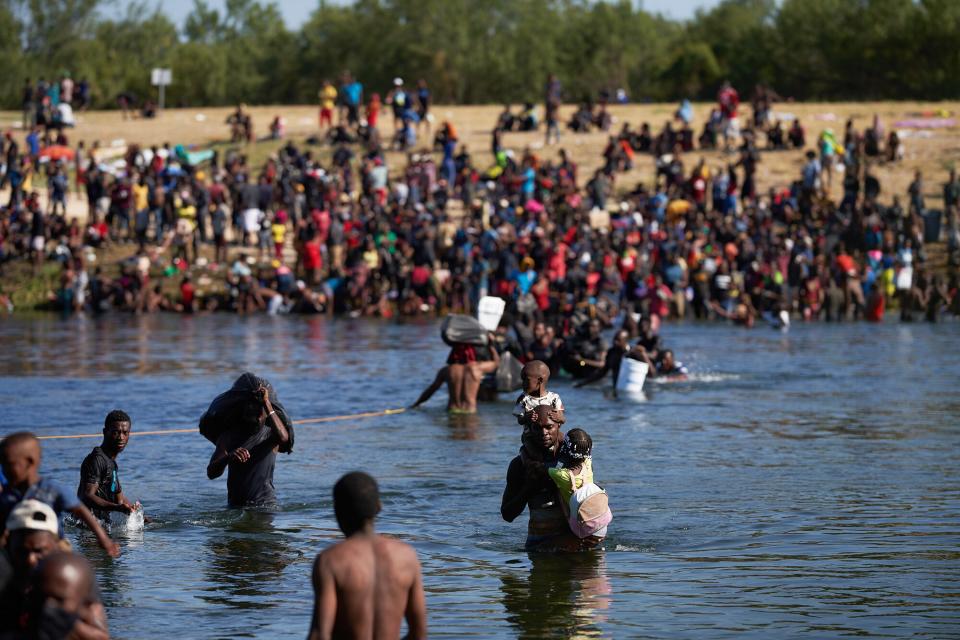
point(489, 312)
point(633, 373)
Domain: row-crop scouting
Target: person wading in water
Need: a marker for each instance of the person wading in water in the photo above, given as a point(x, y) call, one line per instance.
point(250, 454)
point(529, 485)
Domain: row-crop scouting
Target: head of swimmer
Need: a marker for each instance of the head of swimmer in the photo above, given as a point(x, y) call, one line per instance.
point(356, 502)
point(545, 426)
point(646, 329)
point(116, 432)
point(666, 361)
point(20, 459)
point(534, 377)
point(621, 339)
point(593, 329)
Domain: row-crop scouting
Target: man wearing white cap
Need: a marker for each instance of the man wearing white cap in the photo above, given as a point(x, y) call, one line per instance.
point(34, 534)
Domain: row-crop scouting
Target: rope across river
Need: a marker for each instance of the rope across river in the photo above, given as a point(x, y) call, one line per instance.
point(163, 432)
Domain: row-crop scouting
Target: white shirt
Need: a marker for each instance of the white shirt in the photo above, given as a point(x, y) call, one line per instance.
point(527, 403)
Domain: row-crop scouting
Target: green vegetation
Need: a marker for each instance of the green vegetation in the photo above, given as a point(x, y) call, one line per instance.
point(482, 51)
point(30, 288)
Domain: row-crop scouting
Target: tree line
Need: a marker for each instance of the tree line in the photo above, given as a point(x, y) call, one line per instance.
point(487, 51)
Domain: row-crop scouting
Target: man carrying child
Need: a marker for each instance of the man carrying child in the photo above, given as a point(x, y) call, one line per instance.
point(529, 485)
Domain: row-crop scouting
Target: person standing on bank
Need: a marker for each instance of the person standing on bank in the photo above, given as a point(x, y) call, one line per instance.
point(249, 454)
point(100, 486)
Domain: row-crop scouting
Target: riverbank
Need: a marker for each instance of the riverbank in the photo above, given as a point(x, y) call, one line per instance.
point(927, 150)
point(931, 150)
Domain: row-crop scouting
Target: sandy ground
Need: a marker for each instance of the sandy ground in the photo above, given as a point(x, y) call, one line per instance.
point(932, 151)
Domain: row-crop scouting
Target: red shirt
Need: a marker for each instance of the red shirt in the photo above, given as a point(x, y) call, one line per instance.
point(311, 256)
point(846, 264)
point(186, 293)
point(557, 263)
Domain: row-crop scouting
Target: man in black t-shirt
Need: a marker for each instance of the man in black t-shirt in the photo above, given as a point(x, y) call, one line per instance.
point(100, 486)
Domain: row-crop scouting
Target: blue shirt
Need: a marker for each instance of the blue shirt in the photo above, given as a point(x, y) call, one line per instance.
point(45, 491)
point(353, 92)
point(529, 181)
point(33, 141)
point(525, 280)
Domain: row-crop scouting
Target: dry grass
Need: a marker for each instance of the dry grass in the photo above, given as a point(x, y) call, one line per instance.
point(202, 126)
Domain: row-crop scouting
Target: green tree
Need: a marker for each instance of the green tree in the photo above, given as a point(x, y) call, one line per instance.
point(693, 71)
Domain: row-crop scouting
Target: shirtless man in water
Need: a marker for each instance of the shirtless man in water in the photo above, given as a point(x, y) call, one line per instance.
point(364, 586)
point(463, 380)
point(529, 485)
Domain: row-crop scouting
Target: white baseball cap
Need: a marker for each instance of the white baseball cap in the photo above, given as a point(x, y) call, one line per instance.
point(34, 516)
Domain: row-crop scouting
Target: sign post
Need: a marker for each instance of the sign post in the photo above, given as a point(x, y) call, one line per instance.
point(161, 78)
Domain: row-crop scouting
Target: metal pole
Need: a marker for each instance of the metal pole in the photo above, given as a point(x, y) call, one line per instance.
point(161, 96)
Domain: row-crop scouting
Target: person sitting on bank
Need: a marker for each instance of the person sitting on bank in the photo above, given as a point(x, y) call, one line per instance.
point(529, 485)
point(100, 486)
point(367, 584)
point(249, 454)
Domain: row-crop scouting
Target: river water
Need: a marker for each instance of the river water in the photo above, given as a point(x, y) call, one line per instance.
point(800, 484)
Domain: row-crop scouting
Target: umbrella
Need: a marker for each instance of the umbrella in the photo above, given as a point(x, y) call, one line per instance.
point(57, 152)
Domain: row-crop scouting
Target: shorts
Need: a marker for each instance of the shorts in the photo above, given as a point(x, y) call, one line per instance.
point(38, 243)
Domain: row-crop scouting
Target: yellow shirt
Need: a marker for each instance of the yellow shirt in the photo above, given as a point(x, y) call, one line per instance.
point(279, 232)
point(567, 483)
point(140, 192)
point(677, 208)
point(328, 97)
point(186, 217)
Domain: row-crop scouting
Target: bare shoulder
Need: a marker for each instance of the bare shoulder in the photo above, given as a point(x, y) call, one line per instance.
point(330, 555)
point(397, 549)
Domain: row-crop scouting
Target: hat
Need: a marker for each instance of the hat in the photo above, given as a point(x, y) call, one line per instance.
point(398, 81)
point(33, 515)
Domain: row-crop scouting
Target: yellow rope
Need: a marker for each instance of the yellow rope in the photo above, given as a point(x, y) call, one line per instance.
point(163, 432)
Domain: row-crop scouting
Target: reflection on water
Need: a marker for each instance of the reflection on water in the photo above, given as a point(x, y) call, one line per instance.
point(243, 560)
point(562, 596)
point(464, 426)
point(800, 484)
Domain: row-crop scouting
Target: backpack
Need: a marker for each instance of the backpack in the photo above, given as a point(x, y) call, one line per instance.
point(589, 512)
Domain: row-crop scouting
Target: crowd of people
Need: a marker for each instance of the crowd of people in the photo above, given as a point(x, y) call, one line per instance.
point(365, 585)
point(353, 235)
